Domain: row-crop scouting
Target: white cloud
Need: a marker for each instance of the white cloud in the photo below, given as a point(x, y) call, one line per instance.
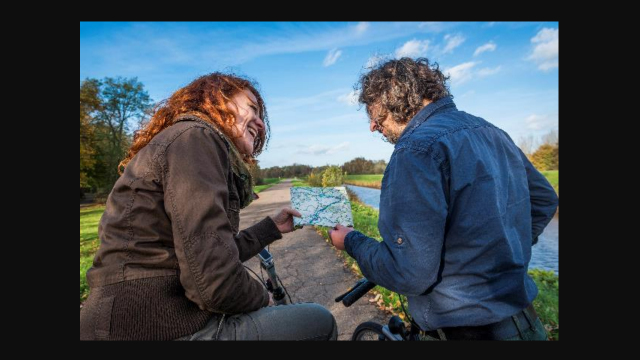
point(317, 123)
point(452, 42)
point(490, 46)
point(350, 99)
point(468, 94)
point(375, 60)
point(467, 71)
point(413, 48)
point(278, 105)
point(541, 122)
point(324, 150)
point(545, 35)
point(545, 52)
point(488, 71)
point(142, 48)
point(461, 73)
point(302, 37)
point(432, 26)
point(362, 27)
point(332, 57)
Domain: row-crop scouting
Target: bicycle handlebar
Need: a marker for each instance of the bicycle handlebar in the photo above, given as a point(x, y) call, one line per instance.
point(356, 292)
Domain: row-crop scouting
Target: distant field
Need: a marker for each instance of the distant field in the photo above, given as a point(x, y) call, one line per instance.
point(372, 181)
point(374, 177)
point(298, 182)
point(552, 176)
point(268, 182)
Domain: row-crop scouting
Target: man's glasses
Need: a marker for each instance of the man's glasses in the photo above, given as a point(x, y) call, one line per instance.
point(378, 119)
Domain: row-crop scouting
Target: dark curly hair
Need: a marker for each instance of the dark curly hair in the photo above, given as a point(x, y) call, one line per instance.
point(400, 86)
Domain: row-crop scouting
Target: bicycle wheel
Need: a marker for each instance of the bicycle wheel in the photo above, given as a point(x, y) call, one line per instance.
point(368, 331)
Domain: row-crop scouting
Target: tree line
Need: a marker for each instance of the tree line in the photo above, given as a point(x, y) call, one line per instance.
point(357, 166)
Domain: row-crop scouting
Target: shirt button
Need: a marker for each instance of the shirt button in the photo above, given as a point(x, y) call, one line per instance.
point(399, 241)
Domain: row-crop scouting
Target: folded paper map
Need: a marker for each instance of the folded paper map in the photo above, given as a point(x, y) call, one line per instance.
point(326, 206)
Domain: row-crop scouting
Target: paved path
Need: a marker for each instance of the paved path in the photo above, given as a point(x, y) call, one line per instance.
point(310, 268)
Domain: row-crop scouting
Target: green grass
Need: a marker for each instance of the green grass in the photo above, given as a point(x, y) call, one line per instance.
point(546, 303)
point(552, 176)
point(268, 182)
point(89, 219)
point(372, 181)
point(373, 177)
point(298, 182)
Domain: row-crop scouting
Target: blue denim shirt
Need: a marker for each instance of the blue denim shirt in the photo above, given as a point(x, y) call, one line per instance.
point(460, 208)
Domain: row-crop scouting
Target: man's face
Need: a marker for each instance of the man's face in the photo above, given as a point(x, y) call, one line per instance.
point(383, 123)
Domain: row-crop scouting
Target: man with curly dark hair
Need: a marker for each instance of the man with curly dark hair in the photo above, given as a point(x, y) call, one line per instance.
point(460, 208)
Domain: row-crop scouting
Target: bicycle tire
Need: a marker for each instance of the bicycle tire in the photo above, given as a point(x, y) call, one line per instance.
point(368, 331)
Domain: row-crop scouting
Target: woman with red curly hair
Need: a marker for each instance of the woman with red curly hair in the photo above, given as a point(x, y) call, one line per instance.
point(170, 260)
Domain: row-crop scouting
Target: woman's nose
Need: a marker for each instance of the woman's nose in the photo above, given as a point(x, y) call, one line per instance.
point(260, 124)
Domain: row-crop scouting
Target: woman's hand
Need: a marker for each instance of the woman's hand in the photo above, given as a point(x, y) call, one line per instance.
point(284, 219)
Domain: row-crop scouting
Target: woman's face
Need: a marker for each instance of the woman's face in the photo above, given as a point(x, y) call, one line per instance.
point(249, 125)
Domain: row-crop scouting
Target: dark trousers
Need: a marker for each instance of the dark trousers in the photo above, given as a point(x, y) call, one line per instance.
point(305, 321)
point(525, 325)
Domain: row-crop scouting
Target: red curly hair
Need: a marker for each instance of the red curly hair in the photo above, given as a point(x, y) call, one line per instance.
point(206, 97)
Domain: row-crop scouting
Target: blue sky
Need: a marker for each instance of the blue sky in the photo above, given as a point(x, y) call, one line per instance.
point(506, 73)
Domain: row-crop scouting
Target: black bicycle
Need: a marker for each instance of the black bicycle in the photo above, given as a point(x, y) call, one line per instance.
point(272, 283)
point(396, 330)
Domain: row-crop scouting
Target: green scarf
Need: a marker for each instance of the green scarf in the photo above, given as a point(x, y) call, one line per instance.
point(241, 170)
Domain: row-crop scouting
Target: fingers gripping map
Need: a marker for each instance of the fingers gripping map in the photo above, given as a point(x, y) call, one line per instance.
point(321, 206)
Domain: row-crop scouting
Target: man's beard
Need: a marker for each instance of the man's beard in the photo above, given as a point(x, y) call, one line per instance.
point(391, 137)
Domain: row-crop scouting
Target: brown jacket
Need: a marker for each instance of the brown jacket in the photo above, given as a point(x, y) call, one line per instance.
point(170, 251)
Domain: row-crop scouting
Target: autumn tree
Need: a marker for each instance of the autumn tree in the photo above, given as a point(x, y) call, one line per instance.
point(124, 103)
point(546, 157)
point(90, 102)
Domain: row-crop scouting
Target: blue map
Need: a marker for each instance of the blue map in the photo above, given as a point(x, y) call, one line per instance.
point(326, 206)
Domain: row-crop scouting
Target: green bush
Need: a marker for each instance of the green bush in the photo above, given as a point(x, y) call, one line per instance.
point(314, 180)
point(332, 177)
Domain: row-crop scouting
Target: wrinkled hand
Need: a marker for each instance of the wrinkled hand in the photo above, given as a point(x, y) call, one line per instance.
point(284, 219)
point(337, 235)
point(271, 301)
